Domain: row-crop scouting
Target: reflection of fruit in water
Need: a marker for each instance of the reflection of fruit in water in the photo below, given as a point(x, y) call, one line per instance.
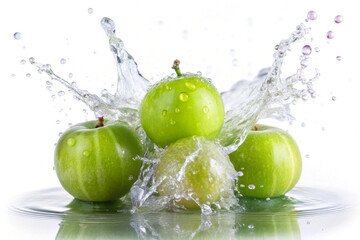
point(268, 219)
point(90, 220)
point(270, 161)
point(195, 168)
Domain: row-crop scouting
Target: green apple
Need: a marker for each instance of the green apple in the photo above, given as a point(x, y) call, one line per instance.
point(96, 161)
point(179, 107)
point(194, 171)
point(270, 161)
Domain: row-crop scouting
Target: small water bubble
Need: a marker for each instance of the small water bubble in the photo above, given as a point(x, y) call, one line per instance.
point(164, 113)
point(60, 133)
point(17, 35)
point(242, 185)
point(61, 93)
point(31, 60)
point(307, 155)
point(71, 142)
point(70, 124)
point(322, 128)
point(261, 186)
point(303, 124)
point(28, 75)
point(13, 75)
point(277, 47)
point(53, 96)
point(49, 84)
point(57, 121)
point(251, 226)
point(131, 177)
point(183, 97)
point(251, 186)
point(339, 58)
point(333, 98)
point(317, 49)
point(185, 34)
point(205, 109)
point(306, 50)
point(70, 75)
point(63, 61)
point(23, 61)
point(312, 15)
point(190, 86)
point(86, 153)
point(172, 122)
point(339, 19)
point(267, 199)
point(177, 110)
point(232, 52)
point(330, 35)
point(240, 174)
point(90, 10)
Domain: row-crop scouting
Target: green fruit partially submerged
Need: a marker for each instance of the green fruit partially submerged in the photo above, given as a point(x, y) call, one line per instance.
point(270, 161)
point(98, 164)
point(195, 171)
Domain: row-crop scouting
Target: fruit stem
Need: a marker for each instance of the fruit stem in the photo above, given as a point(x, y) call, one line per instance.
point(176, 67)
point(100, 122)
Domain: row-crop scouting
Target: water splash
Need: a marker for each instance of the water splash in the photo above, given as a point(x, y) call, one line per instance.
point(268, 95)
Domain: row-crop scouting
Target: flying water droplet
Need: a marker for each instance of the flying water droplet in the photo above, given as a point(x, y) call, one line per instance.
point(28, 75)
point(235, 62)
point(303, 124)
point(306, 50)
point(333, 98)
point(63, 61)
point(251, 186)
point(312, 15)
point(32, 60)
point(70, 75)
point(339, 58)
point(23, 61)
point(317, 49)
point(61, 93)
point(240, 174)
point(339, 19)
point(17, 35)
point(251, 226)
point(267, 199)
point(71, 142)
point(90, 10)
point(183, 97)
point(330, 35)
point(57, 121)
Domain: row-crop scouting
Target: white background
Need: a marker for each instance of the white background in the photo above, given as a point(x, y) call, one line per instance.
point(206, 36)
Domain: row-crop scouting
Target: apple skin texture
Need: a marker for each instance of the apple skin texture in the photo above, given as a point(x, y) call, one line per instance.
point(98, 164)
point(195, 168)
point(270, 160)
point(185, 106)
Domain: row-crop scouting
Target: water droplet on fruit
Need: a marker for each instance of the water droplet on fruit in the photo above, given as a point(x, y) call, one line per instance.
point(339, 19)
point(86, 153)
point(172, 122)
point(177, 110)
point(71, 142)
point(306, 50)
point(267, 199)
point(167, 88)
point(242, 185)
point(261, 186)
point(17, 35)
point(251, 186)
point(251, 226)
point(240, 173)
point(190, 86)
point(131, 177)
point(205, 109)
point(164, 113)
point(330, 35)
point(183, 97)
point(312, 15)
